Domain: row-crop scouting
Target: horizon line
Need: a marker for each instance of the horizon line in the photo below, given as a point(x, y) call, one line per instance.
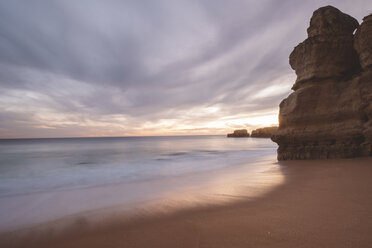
point(133, 136)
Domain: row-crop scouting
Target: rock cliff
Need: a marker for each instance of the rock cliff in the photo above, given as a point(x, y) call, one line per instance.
point(238, 134)
point(329, 114)
point(266, 132)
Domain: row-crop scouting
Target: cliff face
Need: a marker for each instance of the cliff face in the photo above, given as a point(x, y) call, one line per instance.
point(363, 44)
point(329, 114)
point(328, 51)
point(265, 132)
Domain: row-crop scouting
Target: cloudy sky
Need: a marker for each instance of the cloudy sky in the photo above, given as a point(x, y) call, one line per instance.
point(151, 67)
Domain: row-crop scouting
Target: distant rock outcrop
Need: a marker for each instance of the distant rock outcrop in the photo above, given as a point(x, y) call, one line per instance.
point(265, 132)
point(329, 114)
point(238, 134)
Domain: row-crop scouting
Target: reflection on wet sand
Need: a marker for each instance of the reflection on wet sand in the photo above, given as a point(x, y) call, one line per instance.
point(122, 203)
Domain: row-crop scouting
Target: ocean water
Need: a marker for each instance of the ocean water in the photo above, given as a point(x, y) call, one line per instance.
point(46, 179)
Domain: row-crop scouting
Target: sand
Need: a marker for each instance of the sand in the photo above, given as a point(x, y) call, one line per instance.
point(322, 203)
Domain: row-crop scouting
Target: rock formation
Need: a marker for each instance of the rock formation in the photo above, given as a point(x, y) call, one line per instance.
point(328, 51)
point(238, 134)
point(329, 114)
point(266, 132)
point(363, 44)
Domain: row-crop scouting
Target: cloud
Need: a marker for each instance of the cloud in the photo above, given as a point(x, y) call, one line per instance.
point(77, 68)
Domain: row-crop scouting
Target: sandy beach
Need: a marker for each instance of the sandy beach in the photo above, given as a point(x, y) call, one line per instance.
point(181, 124)
point(322, 203)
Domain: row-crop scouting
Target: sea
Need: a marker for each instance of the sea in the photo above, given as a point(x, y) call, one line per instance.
point(43, 180)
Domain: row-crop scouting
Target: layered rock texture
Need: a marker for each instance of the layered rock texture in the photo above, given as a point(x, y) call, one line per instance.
point(329, 114)
point(265, 132)
point(238, 134)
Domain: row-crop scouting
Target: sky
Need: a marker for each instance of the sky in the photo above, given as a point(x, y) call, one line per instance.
point(76, 68)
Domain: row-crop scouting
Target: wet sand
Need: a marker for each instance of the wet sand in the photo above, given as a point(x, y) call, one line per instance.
point(320, 204)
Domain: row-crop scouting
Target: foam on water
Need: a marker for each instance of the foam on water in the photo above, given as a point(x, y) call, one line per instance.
point(45, 179)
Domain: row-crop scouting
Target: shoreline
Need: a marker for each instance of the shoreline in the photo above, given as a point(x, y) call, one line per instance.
point(322, 203)
point(145, 197)
point(192, 191)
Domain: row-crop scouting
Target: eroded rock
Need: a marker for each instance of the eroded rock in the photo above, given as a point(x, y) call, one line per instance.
point(328, 52)
point(329, 20)
point(329, 114)
point(265, 132)
point(363, 42)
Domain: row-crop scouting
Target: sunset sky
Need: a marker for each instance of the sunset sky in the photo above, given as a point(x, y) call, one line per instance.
point(73, 68)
